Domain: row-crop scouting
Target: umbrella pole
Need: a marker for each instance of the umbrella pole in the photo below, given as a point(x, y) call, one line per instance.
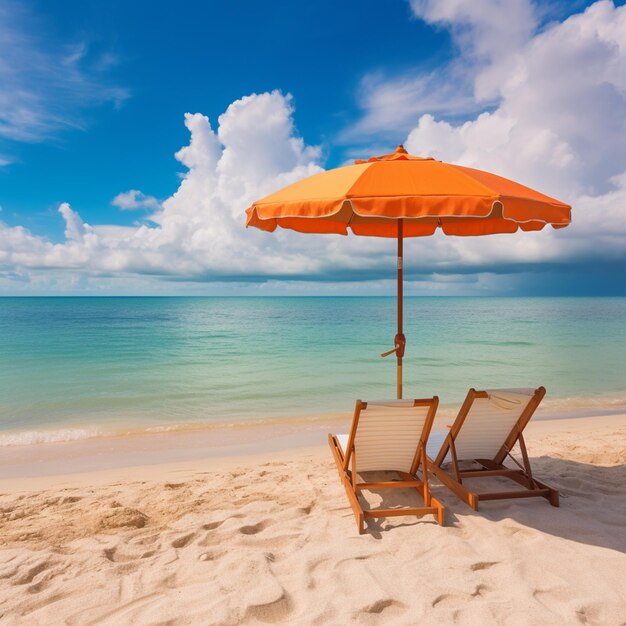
point(400, 340)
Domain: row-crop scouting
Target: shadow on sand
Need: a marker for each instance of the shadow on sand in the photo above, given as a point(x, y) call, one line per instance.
point(592, 509)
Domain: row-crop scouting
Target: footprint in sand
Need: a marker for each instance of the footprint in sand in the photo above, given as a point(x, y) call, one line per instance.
point(271, 612)
point(306, 510)
point(115, 555)
point(475, 567)
point(183, 541)
point(378, 607)
point(27, 574)
point(457, 599)
point(252, 529)
point(210, 556)
point(144, 539)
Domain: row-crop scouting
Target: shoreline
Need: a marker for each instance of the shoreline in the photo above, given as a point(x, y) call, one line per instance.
point(62, 432)
point(157, 454)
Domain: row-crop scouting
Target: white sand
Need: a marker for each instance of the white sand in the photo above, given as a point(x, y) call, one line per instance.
point(247, 539)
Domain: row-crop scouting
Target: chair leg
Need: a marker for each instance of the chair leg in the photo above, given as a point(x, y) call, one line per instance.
point(553, 495)
point(424, 492)
point(459, 490)
point(492, 469)
point(473, 500)
point(554, 498)
point(440, 517)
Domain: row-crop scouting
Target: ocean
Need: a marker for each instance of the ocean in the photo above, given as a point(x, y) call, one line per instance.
point(72, 368)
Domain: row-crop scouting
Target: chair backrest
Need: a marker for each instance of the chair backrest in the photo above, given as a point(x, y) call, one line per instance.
point(389, 434)
point(489, 423)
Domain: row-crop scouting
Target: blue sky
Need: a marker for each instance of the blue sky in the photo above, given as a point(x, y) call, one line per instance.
point(201, 58)
point(107, 86)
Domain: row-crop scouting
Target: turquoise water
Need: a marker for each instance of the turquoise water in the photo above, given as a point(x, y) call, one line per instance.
point(73, 367)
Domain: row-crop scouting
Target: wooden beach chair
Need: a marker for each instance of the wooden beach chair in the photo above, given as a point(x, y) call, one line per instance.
point(487, 427)
point(387, 436)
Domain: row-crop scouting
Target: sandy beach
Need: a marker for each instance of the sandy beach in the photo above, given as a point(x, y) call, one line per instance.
point(255, 255)
point(265, 535)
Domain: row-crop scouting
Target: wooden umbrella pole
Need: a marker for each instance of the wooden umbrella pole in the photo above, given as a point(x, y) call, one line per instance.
point(400, 340)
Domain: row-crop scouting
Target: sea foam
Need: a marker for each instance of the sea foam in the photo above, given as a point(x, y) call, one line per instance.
point(29, 437)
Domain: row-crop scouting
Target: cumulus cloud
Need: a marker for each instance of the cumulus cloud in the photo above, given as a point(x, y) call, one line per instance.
point(558, 125)
point(45, 89)
point(489, 33)
point(561, 119)
point(134, 200)
point(198, 233)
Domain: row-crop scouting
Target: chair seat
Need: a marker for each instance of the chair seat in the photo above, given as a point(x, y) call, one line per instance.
point(435, 441)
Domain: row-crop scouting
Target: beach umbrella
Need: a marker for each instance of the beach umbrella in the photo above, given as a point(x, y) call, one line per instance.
point(400, 195)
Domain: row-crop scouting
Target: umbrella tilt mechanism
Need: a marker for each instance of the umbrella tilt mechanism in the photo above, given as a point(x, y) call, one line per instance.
point(400, 344)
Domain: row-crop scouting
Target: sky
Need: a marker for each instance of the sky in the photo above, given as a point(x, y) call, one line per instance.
point(133, 136)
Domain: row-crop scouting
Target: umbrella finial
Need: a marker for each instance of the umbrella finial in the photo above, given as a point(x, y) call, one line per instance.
point(401, 149)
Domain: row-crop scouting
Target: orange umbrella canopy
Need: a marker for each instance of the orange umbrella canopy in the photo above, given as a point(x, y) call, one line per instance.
point(370, 196)
point(399, 195)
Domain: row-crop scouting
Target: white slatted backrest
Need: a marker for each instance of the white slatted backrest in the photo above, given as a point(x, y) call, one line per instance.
point(388, 434)
point(489, 422)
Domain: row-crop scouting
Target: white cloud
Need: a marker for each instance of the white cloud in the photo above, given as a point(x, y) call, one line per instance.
point(391, 105)
point(561, 119)
point(44, 89)
point(544, 131)
point(489, 34)
point(75, 228)
point(134, 200)
point(559, 126)
point(199, 231)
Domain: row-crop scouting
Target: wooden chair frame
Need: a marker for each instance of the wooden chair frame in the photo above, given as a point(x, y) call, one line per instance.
point(347, 465)
point(492, 467)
